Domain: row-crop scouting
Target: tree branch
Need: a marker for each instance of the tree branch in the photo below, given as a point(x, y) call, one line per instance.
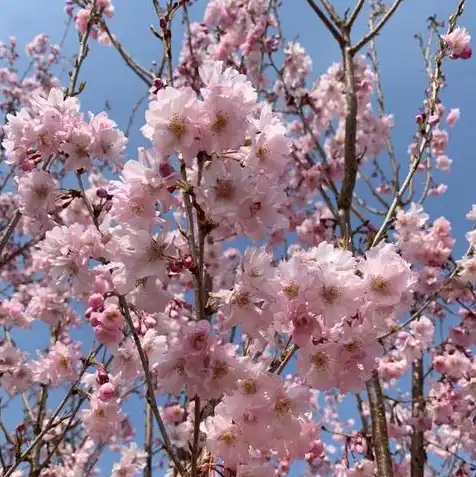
point(355, 13)
point(379, 426)
point(350, 158)
point(332, 29)
point(149, 435)
point(417, 461)
point(378, 27)
point(150, 395)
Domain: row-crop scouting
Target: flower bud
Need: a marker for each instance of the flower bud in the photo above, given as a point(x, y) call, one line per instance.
point(102, 193)
point(165, 169)
point(96, 301)
point(107, 392)
point(101, 375)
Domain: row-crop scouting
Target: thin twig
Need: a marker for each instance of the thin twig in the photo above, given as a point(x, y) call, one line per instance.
point(150, 388)
point(82, 53)
point(9, 231)
point(50, 422)
point(140, 71)
point(355, 13)
point(322, 16)
point(378, 27)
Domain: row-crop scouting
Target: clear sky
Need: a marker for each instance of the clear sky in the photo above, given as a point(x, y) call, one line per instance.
point(403, 75)
point(402, 72)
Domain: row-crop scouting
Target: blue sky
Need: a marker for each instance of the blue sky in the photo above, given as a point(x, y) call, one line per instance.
point(403, 75)
point(402, 72)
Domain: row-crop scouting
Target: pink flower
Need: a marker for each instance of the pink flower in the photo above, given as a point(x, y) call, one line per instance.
point(133, 205)
point(139, 255)
point(270, 148)
point(224, 439)
point(471, 215)
point(82, 20)
point(59, 365)
point(108, 325)
point(76, 148)
point(334, 294)
point(172, 122)
point(453, 116)
point(133, 460)
point(458, 41)
point(443, 163)
point(387, 276)
point(66, 256)
point(14, 375)
point(319, 365)
point(38, 191)
point(228, 98)
point(102, 420)
point(108, 143)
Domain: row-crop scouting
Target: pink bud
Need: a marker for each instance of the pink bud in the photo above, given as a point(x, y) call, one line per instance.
point(165, 169)
point(420, 117)
point(157, 85)
point(466, 54)
point(26, 166)
point(101, 375)
point(96, 301)
point(176, 267)
point(434, 120)
point(188, 261)
point(107, 392)
point(94, 318)
point(102, 193)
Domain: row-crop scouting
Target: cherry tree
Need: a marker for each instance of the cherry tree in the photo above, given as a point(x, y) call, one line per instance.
point(210, 305)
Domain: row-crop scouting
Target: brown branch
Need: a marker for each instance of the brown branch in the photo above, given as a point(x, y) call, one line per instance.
point(140, 71)
point(51, 421)
point(322, 16)
point(150, 395)
point(9, 231)
point(355, 13)
point(284, 359)
point(418, 458)
point(82, 53)
point(427, 128)
point(196, 437)
point(350, 156)
point(331, 12)
point(379, 426)
point(149, 435)
point(378, 27)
